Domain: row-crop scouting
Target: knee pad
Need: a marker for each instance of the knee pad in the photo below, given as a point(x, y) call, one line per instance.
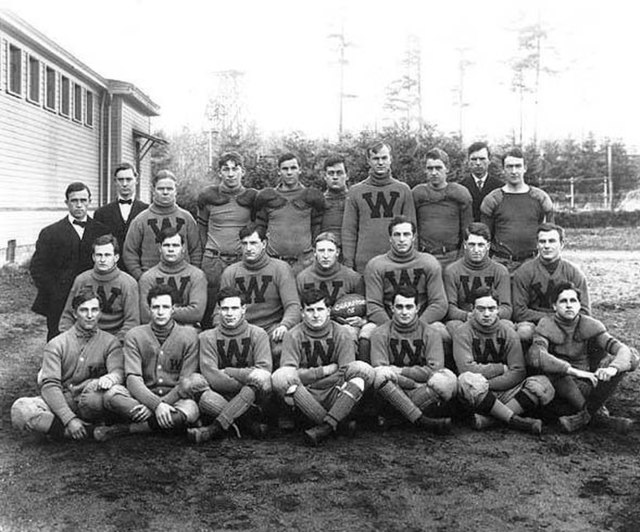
point(452, 326)
point(444, 383)
point(260, 379)
point(91, 402)
point(540, 387)
point(442, 331)
point(192, 385)
point(367, 329)
point(189, 408)
point(472, 388)
point(360, 369)
point(525, 330)
point(382, 374)
point(283, 378)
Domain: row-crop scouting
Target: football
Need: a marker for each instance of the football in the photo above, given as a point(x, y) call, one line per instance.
point(349, 305)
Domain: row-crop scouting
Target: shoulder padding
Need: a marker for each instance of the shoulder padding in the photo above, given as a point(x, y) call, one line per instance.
point(458, 193)
point(542, 197)
point(314, 198)
point(588, 327)
point(269, 198)
point(247, 198)
point(211, 195)
point(491, 201)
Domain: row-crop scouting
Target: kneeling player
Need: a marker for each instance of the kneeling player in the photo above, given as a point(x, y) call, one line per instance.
point(584, 362)
point(408, 359)
point(156, 357)
point(319, 374)
point(491, 365)
point(235, 361)
point(78, 366)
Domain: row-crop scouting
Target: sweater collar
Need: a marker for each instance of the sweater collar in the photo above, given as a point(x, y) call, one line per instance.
point(262, 261)
point(162, 210)
point(407, 257)
point(174, 268)
point(322, 272)
point(490, 329)
point(104, 277)
point(468, 263)
point(379, 181)
point(406, 328)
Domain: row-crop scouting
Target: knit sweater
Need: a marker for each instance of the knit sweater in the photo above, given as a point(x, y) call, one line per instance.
point(369, 207)
point(118, 293)
point(71, 360)
point(189, 282)
point(153, 369)
point(494, 352)
point(141, 245)
point(415, 347)
point(292, 218)
point(463, 277)
point(385, 273)
point(228, 355)
point(513, 218)
point(308, 350)
point(270, 291)
point(222, 212)
point(334, 212)
point(534, 284)
point(442, 215)
point(336, 281)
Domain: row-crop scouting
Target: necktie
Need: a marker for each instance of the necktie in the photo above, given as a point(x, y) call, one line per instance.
point(81, 224)
point(480, 184)
point(125, 201)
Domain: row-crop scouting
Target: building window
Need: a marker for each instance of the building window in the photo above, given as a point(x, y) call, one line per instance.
point(77, 102)
point(89, 114)
point(65, 95)
point(15, 70)
point(34, 80)
point(50, 88)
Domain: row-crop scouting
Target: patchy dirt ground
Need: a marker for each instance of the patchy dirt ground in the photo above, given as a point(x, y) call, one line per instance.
point(399, 480)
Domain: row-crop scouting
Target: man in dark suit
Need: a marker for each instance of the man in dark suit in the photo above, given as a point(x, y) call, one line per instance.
point(118, 214)
point(479, 182)
point(63, 250)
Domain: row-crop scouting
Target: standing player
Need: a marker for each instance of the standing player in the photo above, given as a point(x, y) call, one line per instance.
point(535, 282)
point(479, 182)
point(78, 367)
point(63, 250)
point(319, 374)
point(584, 362)
point(119, 214)
point(473, 271)
point(408, 359)
point(188, 282)
point(141, 244)
point(118, 291)
point(335, 176)
point(370, 206)
point(493, 380)
point(443, 210)
point(291, 214)
point(222, 211)
point(514, 212)
point(235, 365)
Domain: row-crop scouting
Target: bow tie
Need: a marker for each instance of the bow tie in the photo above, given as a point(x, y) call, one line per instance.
point(125, 201)
point(81, 224)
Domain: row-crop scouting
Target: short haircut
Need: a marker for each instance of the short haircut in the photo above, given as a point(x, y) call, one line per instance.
point(333, 160)
point(76, 186)
point(478, 229)
point(477, 146)
point(163, 289)
point(438, 155)
point(124, 166)
point(104, 240)
point(251, 228)
point(483, 291)
point(230, 156)
point(565, 285)
point(327, 236)
point(513, 152)
point(376, 146)
point(406, 290)
point(547, 226)
point(231, 291)
point(314, 295)
point(401, 219)
point(169, 232)
point(287, 157)
point(163, 174)
point(85, 294)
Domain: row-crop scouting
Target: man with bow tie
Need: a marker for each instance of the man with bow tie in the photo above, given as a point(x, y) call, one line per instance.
point(63, 250)
point(118, 214)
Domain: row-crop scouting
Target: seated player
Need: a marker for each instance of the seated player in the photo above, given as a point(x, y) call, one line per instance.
point(534, 283)
point(78, 367)
point(235, 370)
point(475, 270)
point(319, 373)
point(492, 378)
point(189, 282)
point(408, 359)
point(584, 362)
point(156, 356)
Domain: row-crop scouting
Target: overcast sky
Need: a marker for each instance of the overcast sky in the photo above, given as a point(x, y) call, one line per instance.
point(171, 50)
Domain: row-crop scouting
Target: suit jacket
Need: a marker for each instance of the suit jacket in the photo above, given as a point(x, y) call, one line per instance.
point(60, 255)
point(110, 216)
point(478, 195)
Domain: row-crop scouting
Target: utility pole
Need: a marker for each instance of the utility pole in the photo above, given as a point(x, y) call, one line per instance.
point(463, 63)
point(342, 45)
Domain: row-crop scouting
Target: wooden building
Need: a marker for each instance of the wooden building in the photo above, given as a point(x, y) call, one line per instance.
point(60, 122)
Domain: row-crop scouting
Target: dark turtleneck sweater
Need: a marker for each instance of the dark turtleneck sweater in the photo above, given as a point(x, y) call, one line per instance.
point(334, 212)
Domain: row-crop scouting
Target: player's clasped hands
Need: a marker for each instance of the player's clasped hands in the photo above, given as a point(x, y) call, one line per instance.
point(587, 375)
